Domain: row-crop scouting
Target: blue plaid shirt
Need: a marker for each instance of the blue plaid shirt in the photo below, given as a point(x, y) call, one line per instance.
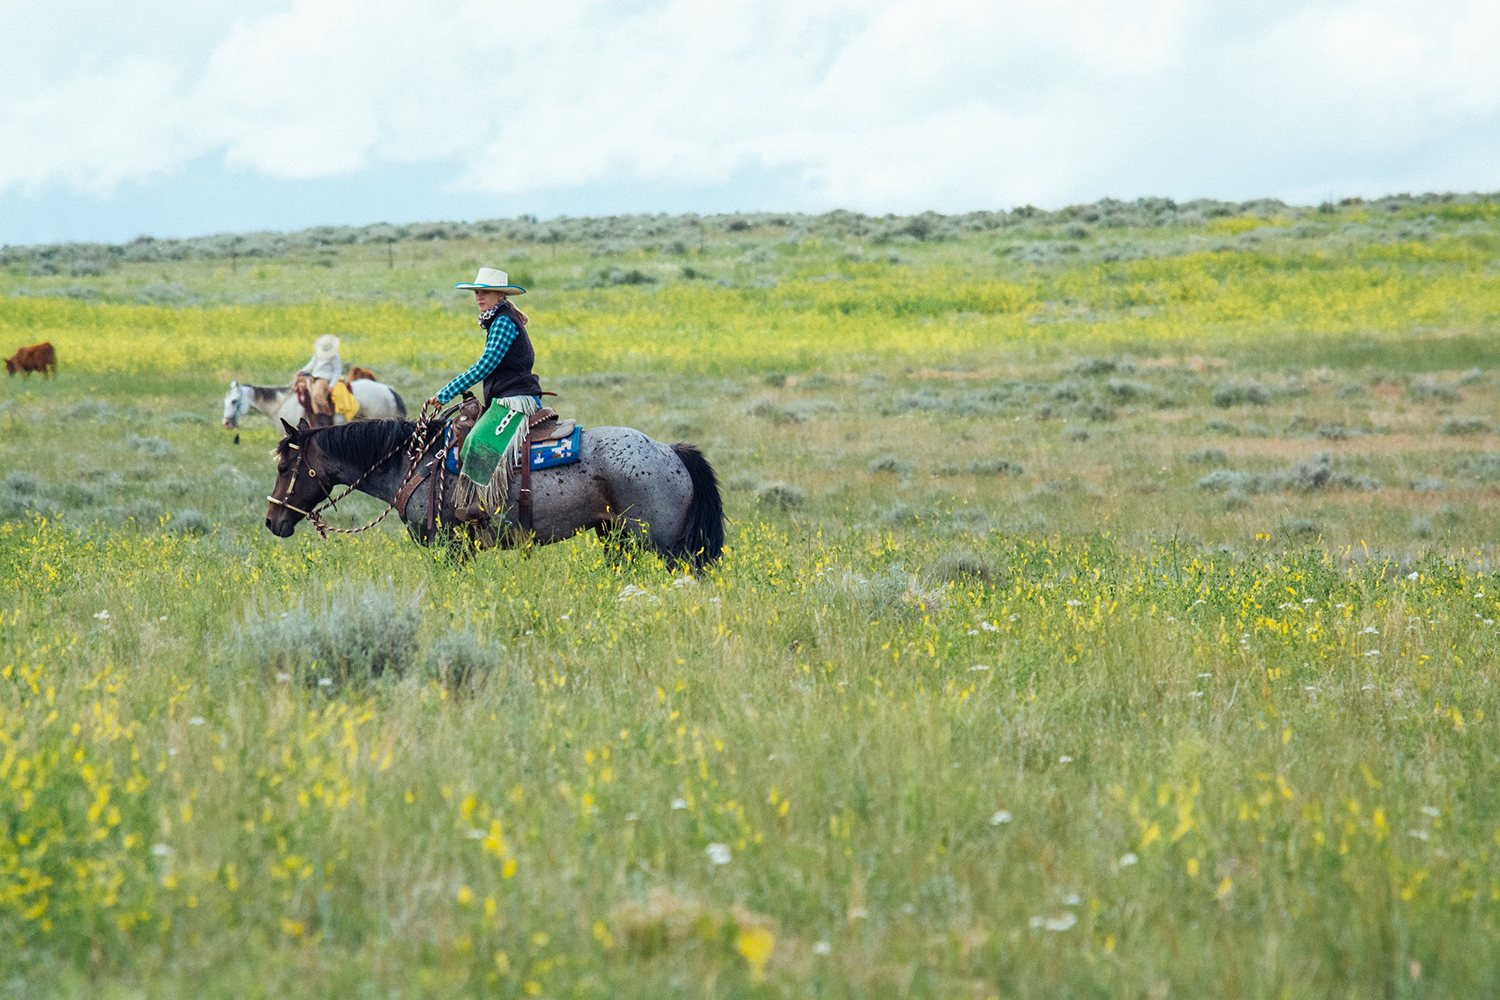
point(501, 334)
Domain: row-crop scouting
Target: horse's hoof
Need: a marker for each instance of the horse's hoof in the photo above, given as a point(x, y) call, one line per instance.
point(236, 439)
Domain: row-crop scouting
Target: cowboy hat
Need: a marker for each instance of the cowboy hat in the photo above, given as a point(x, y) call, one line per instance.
point(326, 346)
point(492, 280)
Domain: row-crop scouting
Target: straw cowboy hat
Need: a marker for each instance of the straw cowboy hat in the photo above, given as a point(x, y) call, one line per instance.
point(492, 280)
point(326, 346)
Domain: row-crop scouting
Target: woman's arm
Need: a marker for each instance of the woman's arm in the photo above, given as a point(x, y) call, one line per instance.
point(502, 333)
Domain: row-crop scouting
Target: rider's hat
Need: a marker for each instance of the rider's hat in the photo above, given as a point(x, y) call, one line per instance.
point(326, 346)
point(492, 280)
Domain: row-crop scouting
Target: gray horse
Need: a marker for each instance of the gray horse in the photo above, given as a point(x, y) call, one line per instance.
point(623, 482)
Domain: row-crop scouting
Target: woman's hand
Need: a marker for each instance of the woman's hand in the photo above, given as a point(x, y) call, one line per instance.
point(429, 409)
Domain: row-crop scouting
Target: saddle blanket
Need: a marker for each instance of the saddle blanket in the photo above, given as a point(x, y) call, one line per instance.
point(544, 454)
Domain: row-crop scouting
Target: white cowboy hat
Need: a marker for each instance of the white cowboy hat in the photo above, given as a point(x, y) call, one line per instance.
point(326, 346)
point(492, 280)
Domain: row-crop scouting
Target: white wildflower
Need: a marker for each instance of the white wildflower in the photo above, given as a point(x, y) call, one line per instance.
point(634, 593)
point(1126, 860)
point(1001, 816)
point(1065, 759)
point(196, 720)
point(161, 850)
point(1373, 652)
point(679, 803)
point(718, 854)
point(324, 682)
point(1062, 923)
point(103, 616)
point(980, 666)
point(1431, 811)
point(991, 626)
point(822, 948)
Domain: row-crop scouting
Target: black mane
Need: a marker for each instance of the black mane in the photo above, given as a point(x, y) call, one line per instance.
point(364, 441)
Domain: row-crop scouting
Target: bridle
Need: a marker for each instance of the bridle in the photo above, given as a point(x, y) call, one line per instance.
point(416, 445)
point(311, 515)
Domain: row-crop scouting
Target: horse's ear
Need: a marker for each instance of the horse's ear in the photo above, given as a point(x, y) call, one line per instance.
point(303, 425)
point(234, 384)
point(290, 430)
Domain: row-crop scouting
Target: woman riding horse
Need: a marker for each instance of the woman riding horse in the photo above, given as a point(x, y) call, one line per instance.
point(505, 366)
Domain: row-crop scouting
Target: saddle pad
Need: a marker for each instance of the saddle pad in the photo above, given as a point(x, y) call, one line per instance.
point(544, 454)
point(564, 451)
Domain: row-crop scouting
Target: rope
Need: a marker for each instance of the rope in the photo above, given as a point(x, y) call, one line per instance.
point(416, 447)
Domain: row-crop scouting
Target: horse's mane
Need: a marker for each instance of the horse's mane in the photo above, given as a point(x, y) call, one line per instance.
point(364, 441)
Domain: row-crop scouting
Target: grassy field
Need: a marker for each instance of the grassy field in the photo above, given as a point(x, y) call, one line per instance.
point(1106, 612)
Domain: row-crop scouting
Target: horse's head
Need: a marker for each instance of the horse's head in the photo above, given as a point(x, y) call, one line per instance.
point(235, 404)
point(302, 479)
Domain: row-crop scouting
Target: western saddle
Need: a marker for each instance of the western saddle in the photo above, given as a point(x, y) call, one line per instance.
point(542, 426)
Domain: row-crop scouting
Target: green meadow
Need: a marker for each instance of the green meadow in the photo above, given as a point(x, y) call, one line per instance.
point(1108, 609)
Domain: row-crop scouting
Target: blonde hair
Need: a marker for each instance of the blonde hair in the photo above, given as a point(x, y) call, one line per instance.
point(507, 307)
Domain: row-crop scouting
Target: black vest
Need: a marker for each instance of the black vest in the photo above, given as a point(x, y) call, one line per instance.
point(513, 375)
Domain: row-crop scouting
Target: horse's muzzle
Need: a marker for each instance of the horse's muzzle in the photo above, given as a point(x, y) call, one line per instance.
point(281, 529)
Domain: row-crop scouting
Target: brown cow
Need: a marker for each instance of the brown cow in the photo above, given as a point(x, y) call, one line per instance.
point(36, 358)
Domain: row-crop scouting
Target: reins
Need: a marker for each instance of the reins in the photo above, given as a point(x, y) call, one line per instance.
point(416, 445)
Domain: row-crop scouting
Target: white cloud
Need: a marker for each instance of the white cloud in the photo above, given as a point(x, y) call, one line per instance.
point(893, 105)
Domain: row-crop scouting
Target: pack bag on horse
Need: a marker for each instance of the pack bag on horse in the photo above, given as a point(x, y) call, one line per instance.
point(36, 358)
point(473, 473)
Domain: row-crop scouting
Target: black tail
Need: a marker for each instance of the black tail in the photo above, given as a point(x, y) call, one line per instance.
point(703, 534)
point(400, 404)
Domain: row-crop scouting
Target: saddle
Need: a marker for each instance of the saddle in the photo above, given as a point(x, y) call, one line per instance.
point(544, 427)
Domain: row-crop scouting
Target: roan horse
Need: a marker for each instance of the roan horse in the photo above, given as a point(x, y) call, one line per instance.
point(377, 401)
point(624, 482)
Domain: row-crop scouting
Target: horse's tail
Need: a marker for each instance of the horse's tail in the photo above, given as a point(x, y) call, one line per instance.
point(702, 539)
point(400, 403)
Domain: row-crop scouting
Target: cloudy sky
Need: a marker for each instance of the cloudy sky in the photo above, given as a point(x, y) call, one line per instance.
point(194, 116)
